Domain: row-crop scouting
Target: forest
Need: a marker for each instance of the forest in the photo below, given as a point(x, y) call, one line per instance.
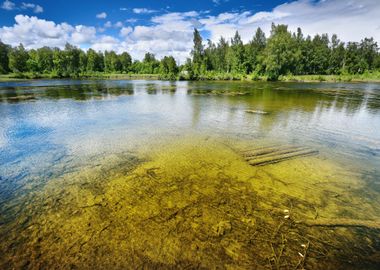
point(282, 53)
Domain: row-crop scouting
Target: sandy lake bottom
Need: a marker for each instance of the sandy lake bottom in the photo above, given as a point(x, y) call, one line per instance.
point(163, 191)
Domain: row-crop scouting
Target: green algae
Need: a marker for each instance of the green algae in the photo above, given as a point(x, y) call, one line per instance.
point(194, 203)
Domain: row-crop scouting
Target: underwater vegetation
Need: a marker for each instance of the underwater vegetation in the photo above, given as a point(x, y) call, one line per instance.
point(196, 203)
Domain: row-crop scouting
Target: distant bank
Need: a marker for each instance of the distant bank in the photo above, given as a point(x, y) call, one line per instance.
point(366, 77)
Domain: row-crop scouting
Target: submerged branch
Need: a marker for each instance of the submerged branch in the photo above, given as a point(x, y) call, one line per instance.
point(324, 222)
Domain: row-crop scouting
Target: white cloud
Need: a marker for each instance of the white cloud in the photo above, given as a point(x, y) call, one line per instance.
point(34, 7)
point(8, 5)
point(131, 20)
point(118, 24)
point(351, 20)
point(35, 33)
point(143, 11)
point(172, 33)
point(108, 24)
point(106, 43)
point(102, 15)
point(125, 31)
point(27, 5)
point(38, 9)
point(218, 2)
point(83, 35)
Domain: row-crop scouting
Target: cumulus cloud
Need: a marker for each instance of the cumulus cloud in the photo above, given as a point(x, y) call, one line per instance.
point(83, 35)
point(109, 24)
point(38, 9)
point(102, 15)
point(143, 11)
point(351, 20)
point(34, 7)
point(125, 31)
point(172, 33)
point(8, 5)
point(218, 2)
point(35, 33)
point(118, 24)
point(106, 43)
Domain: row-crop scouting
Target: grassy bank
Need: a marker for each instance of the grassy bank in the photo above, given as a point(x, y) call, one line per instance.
point(365, 77)
point(209, 76)
point(97, 75)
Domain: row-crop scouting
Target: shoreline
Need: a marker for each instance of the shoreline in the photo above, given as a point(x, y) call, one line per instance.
point(363, 78)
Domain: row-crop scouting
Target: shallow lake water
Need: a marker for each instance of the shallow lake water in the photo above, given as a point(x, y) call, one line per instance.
point(213, 175)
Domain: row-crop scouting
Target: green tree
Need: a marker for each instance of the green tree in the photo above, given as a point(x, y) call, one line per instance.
point(59, 62)
point(221, 55)
point(353, 61)
point(168, 67)
point(369, 51)
point(320, 54)
point(4, 59)
point(125, 61)
point(254, 51)
point(280, 53)
point(18, 58)
point(45, 59)
point(82, 61)
point(32, 62)
point(112, 62)
point(197, 52)
point(72, 55)
point(337, 52)
point(94, 61)
point(237, 54)
point(150, 65)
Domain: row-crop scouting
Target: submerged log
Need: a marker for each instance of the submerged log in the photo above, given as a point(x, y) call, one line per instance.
point(343, 222)
point(271, 159)
point(263, 150)
point(275, 152)
point(256, 112)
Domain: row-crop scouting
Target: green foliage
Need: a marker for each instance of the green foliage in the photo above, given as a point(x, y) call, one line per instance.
point(126, 62)
point(168, 68)
point(283, 55)
point(95, 61)
point(149, 65)
point(4, 59)
point(18, 58)
point(112, 62)
point(254, 50)
point(280, 54)
point(198, 54)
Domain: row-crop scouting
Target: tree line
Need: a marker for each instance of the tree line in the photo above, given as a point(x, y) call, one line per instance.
point(74, 62)
point(282, 53)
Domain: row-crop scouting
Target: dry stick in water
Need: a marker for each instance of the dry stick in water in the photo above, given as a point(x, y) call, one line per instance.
point(278, 152)
point(341, 222)
point(279, 158)
point(264, 150)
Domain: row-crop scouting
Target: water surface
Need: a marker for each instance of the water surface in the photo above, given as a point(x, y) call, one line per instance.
point(119, 174)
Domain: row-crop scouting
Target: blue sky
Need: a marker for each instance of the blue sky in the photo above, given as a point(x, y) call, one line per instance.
point(82, 12)
point(165, 27)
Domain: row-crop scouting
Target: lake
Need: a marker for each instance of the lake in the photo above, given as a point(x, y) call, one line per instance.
point(117, 174)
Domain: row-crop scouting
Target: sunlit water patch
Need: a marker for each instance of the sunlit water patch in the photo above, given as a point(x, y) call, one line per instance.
point(151, 174)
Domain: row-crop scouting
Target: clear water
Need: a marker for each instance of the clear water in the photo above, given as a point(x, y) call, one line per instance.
point(88, 142)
